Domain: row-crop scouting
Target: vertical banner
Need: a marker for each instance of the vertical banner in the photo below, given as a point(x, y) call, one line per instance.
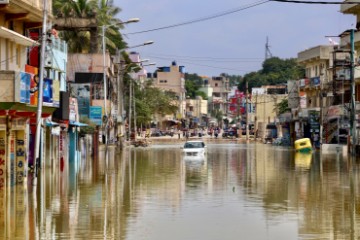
point(48, 92)
point(12, 157)
point(2, 160)
point(2, 177)
point(82, 91)
point(95, 115)
point(33, 71)
point(20, 156)
point(56, 93)
point(24, 87)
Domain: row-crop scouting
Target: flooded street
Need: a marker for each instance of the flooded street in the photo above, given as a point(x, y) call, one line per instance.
point(236, 191)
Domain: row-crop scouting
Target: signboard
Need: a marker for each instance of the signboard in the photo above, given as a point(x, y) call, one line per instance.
point(20, 157)
point(2, 159)
point(343, 74)
point(303, 100)
point(73, 110)
point(95, 115)
point(314, 118)
point(293, 96)
point(56, 94)
point(82, 93)
point(48, 92)
point(25, 87)
point(304, 82)
point(315, 81)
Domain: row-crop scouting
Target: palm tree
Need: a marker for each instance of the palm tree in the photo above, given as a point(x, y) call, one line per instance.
point(85, 38)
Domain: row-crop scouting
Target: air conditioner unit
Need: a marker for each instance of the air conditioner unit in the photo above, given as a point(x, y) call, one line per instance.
point(4, 1)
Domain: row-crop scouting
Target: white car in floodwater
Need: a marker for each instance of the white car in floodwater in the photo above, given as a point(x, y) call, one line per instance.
point(194, 148)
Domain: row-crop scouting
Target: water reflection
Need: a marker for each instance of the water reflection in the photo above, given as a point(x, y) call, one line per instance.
point(256, 190)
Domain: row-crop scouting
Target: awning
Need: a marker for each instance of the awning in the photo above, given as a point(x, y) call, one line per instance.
point(77, 124)
point(51, 124)
point(17, 37)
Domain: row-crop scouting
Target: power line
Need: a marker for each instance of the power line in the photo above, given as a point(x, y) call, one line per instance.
point(204, 65)
point(223, 60)
point(204, 18)
point(312, 2)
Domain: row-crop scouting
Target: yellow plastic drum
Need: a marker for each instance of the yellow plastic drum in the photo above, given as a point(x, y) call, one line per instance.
point(303, 145)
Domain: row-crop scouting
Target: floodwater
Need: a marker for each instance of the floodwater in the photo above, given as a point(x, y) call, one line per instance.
point(236, 191)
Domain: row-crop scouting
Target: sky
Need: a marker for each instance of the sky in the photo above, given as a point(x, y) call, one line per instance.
point(233, 43)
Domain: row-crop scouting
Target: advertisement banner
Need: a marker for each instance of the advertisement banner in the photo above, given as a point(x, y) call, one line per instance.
point(56, 93)
point(24, 87)
point(33, 71)
point(82, 92)
point(303, 100)
point(48, 92)
point(95, 115)
point(73, 110)
point(20, 157)
point(315, 81)
point(2, 159)
point(293, 96)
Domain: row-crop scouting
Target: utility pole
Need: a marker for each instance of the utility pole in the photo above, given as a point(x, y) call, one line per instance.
point(353, 104)
point(40, 93)
point(247, 112)
point(105, 83)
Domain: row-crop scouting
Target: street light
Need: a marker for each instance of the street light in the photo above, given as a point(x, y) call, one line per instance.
point(131, 20)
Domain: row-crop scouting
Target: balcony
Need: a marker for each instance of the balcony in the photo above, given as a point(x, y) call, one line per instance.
point(350, 8)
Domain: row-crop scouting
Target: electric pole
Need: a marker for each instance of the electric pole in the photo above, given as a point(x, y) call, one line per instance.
point(247, 112)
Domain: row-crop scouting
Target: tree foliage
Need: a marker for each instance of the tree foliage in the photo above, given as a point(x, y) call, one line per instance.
point(274, 71)
point(282, 107)
point(104, 11)
point(193, 83)
point(150, 100)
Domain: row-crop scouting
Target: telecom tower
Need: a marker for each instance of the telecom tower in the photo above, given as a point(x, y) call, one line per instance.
point(267, 49)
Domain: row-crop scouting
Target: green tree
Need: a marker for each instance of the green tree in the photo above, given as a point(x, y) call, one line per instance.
point(104, 11)
point(274, 71)
point(282, 107)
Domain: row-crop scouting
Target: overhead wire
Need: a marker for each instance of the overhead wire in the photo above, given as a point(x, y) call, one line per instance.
point(312, 2)
point(216, 15)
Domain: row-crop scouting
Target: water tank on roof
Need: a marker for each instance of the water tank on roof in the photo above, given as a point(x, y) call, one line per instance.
point(173, 63)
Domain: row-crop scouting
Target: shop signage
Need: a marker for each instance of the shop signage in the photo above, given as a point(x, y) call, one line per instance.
point(304, 82)
point(95, 115)
point(25, 87)
point(315, 81)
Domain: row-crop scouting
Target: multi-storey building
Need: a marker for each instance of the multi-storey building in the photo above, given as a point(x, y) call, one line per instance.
point(172, 79)
point(220, 93)
point(345, 43)
point(315, 92)
point(196, 112)
point(20, 32)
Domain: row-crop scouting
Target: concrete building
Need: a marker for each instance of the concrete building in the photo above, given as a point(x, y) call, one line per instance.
point(21, 29)
point(220, 94)
point(315, 93)
point(196, 112)
point(353, 9)
point(172, 79)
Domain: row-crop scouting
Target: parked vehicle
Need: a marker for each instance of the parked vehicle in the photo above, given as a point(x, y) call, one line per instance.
point(196, 147)
point(230, 133)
